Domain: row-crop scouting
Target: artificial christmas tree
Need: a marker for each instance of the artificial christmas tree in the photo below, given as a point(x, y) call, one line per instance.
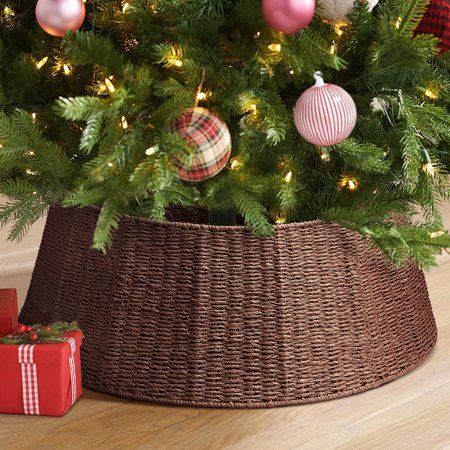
point(89, 120)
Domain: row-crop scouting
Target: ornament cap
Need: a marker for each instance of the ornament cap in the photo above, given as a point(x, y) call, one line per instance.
point(319, 79)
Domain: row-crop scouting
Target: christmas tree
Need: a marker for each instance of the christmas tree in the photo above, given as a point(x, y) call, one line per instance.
point(114, 114)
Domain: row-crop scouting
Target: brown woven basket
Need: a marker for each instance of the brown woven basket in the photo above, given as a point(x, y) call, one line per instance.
point(191, 314)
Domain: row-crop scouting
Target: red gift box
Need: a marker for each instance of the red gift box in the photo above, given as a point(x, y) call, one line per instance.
point(41, 379)
point(8, 311)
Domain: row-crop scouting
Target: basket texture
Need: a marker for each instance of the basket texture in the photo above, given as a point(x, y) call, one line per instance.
point(192, 314)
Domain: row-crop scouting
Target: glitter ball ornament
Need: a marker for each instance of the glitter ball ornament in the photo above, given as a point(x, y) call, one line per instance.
point(288, 16)
point(325, 114)
point(436, 21)
point(56, 17)
point(338, 10)
point(210, 139)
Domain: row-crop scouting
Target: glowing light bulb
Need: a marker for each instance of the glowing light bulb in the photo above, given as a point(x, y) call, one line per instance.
point(276, 48)
point(333, 48)
point(430, 94)
point(253, 108)
point(325, 156)
point(31, 153)
point(429, 169)
point(150, 151)
point(201, 96)
point(338, 31)
point(126, 6)
point(33, 117)
point(177, 62)
point(110, 164)
point(398, 22)
point(109, 85)
point(235, 164)
point(42, 62)
point(66, 69)
point(8, 12)
point(436, 234)
point(291, 72)
point(288, 177)
point(348, 182)
point(280, 220)
point(123, 122)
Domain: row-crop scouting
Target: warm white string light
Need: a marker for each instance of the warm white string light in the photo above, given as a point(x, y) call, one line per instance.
point(42, 62)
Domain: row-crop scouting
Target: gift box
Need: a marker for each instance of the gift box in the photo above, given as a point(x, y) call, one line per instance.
point(41, 379)
point(8, 311)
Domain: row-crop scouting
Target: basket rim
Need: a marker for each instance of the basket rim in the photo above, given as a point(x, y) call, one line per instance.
point(207, 227)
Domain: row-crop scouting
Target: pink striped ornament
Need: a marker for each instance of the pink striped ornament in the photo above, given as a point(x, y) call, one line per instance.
point(325, 114)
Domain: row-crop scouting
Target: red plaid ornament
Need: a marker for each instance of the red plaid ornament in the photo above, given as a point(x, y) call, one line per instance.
point(436, 21)
point(210, 138)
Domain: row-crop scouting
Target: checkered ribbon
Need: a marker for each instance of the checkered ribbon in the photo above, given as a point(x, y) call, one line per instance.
point(73, 376)
point(30, 381)
point(436, 21)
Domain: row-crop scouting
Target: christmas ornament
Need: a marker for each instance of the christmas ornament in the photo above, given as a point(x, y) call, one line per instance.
point(33, 337)
point(338, 10)
point(21, 328)
point(210, 140)
point(325, 114)
point(288, 16)
point(436, 21)
point(56, 17)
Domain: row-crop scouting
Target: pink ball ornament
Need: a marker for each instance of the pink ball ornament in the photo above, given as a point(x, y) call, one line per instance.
point(56, 17)
point(288, 16)
point(325, 114)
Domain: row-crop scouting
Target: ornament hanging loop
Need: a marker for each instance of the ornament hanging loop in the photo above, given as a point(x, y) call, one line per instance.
point(200, 87)
point(318, 76)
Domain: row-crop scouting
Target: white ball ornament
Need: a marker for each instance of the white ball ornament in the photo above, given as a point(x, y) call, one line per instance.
point(325, 114)
point(338, 10)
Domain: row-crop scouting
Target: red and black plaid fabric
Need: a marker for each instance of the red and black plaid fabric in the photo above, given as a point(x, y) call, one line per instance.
point(211, 140)
point(436, 21)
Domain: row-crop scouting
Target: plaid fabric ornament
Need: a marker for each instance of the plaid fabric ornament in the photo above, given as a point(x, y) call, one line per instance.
point(436, 21)
point(210, 139)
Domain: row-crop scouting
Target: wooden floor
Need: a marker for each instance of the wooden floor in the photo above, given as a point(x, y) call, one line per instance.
point(410, 413)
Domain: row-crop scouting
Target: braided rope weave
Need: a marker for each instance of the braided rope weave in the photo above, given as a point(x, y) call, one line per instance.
point(191, 314)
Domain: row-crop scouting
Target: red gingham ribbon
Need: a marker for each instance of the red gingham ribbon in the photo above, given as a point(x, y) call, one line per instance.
point(73, 376)
point(30, 381)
